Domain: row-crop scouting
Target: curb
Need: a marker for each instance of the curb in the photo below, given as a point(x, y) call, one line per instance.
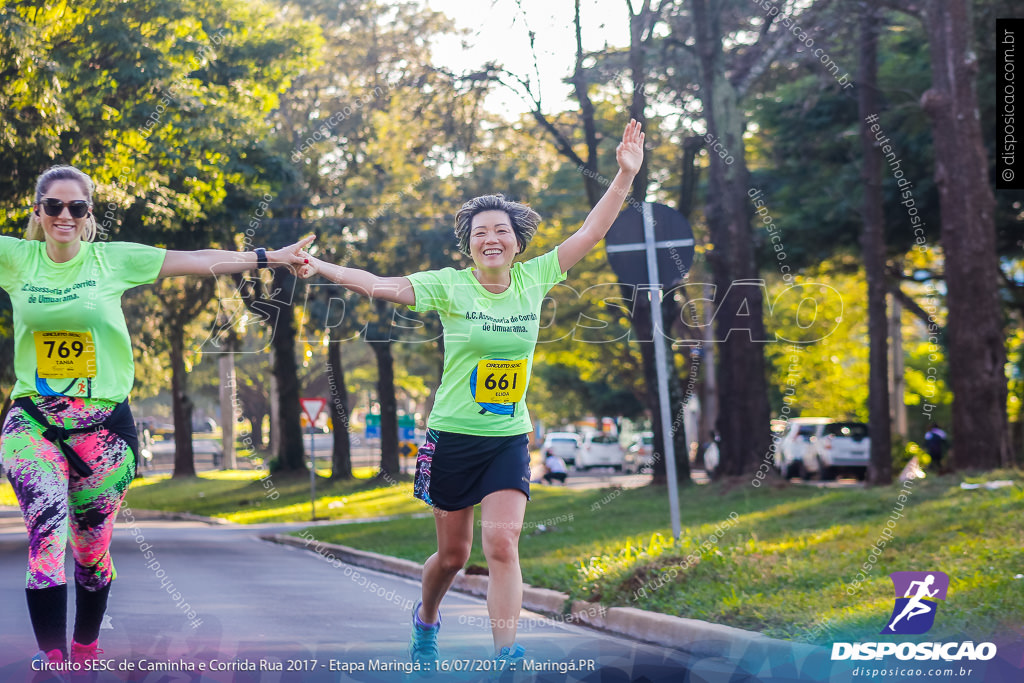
point(755, 651)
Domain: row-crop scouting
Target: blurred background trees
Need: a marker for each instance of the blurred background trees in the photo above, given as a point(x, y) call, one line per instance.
point(237, 125)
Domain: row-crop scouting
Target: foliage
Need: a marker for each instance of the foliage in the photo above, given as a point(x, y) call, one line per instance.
point(827, 369)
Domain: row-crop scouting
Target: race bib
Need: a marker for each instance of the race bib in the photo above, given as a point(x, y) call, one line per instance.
point(500, 381)
point(63, 355)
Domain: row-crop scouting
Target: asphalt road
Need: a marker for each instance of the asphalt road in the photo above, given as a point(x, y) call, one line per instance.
point(255, 601)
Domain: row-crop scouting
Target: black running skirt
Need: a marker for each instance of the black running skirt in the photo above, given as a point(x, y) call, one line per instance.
point(456, 471)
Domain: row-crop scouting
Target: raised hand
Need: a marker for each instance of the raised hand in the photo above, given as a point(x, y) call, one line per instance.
point(292, 255)
point(630, 152)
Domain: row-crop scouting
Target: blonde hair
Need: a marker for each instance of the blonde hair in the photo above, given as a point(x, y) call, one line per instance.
point(34, 231)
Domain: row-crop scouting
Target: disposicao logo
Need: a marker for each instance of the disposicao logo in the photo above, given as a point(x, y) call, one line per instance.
point(917, 596)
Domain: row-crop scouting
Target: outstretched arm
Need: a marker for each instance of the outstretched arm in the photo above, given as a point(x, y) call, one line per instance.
point(218, 262)
point(630, 155)
point(396, 289)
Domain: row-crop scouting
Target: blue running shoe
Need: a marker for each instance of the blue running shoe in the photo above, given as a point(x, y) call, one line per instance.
point(509, 658)
point(423, 646)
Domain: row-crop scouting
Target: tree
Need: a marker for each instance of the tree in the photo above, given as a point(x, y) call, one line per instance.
point(873, 243)
point(967, 205)
point(743, 405)
point(128, 83)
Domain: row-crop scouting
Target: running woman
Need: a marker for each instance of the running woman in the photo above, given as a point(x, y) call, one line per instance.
point(476, 450)
point(69, 442)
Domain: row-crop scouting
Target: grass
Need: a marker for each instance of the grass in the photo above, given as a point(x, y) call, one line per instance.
point(243, 496)
point(778, 559)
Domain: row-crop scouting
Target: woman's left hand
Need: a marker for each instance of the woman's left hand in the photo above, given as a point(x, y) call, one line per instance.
point(630, 152)
point(292, 255)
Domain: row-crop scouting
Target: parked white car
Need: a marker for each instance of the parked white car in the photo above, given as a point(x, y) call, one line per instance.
point(796, 443)
point(640, 454)
point(841, 447)
point(600, 450)
point(564, 445)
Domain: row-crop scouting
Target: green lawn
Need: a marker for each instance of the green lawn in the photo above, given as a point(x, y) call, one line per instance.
point(781, 564)
point(245, 497)
point(779, 559)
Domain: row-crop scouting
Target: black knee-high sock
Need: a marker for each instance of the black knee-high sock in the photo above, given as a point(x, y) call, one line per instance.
point(48, 609)
point(89, 609)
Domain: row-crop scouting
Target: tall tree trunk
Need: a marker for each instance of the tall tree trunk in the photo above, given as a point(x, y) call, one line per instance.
point(873, 246)
point(181, 407)
point(341, 451)
point(274, 438)
point(581, 89)
point(290, 452)
point(743, 421)
point(709, 397)
point(978, 359)
point(389, 463)
point(896, 369)
point(257, 429)
point(228, 389)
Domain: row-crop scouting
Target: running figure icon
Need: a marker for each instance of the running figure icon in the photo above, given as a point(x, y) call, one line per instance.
point(916, 605)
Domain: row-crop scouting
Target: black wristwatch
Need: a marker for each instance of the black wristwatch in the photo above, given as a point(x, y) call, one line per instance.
point(261, 257)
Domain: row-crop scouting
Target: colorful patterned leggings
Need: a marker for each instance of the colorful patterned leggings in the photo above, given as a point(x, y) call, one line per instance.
point(49, 491)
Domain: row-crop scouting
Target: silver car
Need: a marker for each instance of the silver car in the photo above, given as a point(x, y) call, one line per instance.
point(561, 444)
point(796, 444)
point(601, 450)
point(840, 447)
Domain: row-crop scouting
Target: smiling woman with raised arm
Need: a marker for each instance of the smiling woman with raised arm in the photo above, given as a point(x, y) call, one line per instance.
point(69, 442)
point(476, 450)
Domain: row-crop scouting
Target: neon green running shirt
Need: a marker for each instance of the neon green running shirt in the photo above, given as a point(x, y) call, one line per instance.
point(489, 341)
point(70, 336)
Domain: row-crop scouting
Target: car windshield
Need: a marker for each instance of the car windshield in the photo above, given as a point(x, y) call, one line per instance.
point(853, 430)
point(807, 431)
point(564, 440)
point(603, 438)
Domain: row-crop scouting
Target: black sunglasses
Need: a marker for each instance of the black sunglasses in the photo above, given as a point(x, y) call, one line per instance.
point(53, 207)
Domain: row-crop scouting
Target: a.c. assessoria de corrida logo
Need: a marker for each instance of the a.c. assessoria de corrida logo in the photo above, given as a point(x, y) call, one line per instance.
point(917, 596)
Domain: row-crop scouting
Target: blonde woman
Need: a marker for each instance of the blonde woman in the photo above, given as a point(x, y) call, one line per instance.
point(69, 442)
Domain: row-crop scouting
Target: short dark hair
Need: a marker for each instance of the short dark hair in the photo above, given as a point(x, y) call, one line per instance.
point(524, 219)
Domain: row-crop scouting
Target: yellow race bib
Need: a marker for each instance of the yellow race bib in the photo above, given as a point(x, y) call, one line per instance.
point(64, 355)
point(500, 381)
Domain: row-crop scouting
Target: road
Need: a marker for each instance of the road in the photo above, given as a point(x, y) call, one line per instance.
point(364, 455)
point(254, 600)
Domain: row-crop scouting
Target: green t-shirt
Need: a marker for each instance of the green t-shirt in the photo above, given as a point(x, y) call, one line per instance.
point(70, 336)
point(483, 389)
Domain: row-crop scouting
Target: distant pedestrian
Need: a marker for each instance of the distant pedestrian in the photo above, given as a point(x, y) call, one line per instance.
point(935, 444)
point(555, 469)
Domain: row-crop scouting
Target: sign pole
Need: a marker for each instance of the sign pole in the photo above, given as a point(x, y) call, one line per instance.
point(657, 324)
point(312, 407)
point(312, 474)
